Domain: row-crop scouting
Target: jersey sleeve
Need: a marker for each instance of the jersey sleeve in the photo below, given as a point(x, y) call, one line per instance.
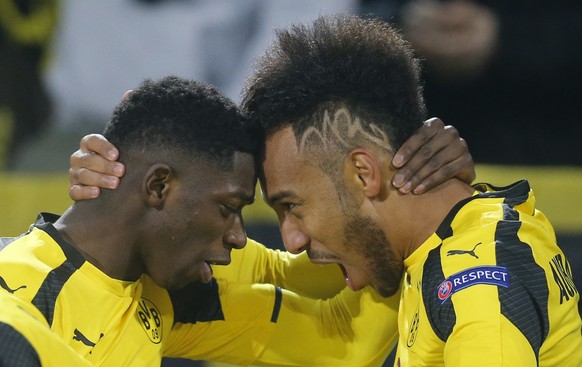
point(15, 349)
point(351, 329)
point(497, 313)
point(27, 340)
point(266, 325)
point(258, 264)
point(238, 329)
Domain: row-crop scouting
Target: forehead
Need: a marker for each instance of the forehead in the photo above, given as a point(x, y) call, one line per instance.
point(208, 177)
point(285, 168)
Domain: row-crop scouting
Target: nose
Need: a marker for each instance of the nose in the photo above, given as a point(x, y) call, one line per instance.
point(236, 237)
point(295, 240)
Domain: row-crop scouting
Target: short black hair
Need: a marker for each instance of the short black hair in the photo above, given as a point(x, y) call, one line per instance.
point(176, 114)
point(340, 61)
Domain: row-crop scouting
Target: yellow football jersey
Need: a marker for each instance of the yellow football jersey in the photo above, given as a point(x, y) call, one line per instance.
point(26, 339)
point(233, 319)
point(490, 288)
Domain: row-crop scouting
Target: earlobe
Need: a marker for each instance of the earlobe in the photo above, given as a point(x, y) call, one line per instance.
point(364, 172)
point(157, 184)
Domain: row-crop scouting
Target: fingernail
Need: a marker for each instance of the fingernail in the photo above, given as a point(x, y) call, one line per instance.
point(112, 182)
point(419, 189)
point(112, 154)
point(94, 192)
point(406, 188)
point(398, 160)
point(118, 169)
point(398, 180)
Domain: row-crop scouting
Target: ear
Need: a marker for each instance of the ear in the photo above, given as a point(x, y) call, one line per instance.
point(157, 184)
point(363, 172)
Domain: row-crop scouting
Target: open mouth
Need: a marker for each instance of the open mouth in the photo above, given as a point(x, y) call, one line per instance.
point(344, 272)
point(349, 281)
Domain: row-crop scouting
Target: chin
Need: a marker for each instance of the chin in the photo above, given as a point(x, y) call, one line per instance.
point(171, 284)
point(386, 291)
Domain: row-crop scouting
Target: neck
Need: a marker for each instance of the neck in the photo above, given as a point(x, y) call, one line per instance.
point(411, 219)
point(103, 239)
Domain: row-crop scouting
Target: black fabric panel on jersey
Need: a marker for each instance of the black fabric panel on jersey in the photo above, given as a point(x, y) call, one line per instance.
point(442, 317)
point(277, 306)
point(513, 194)
point(15, 350)
point(48, 292)
point(197, 302)
point(525, 302)
point(445, 230)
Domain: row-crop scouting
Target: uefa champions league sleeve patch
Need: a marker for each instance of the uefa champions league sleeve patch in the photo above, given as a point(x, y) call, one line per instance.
point(494, 275)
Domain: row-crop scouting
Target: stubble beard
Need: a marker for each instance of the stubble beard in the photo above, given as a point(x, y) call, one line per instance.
point(366, 237)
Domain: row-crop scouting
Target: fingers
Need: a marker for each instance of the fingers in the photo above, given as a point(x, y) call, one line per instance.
point(93, 166)
point(87, 177)
point(431, 156)
point(79, 192)
point(418, 142)
point(436, 171)
point(84, 166)
point(97, 143)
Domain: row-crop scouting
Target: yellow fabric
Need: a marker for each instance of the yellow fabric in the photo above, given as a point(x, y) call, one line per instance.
point(257, 264)
point(351, 329)
point(490, 324)
point(30, 323)
point(348, 329)
point(135, 323)
point(125, 323)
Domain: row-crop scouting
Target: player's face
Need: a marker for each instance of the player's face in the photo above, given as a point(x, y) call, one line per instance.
point(313, 219)
point(201, 224)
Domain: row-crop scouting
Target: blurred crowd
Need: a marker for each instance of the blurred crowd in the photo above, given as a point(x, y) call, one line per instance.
point(27, 29)
point(505, 73)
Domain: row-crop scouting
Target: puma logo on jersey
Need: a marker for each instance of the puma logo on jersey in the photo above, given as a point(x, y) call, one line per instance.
point(83, 339)
point(4, 285)
point(463, 252)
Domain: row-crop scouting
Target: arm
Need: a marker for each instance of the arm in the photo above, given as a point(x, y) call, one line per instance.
point(297, 331)
point(351, 329)
point(257, 264)
point(432, 155)
point(27, 340)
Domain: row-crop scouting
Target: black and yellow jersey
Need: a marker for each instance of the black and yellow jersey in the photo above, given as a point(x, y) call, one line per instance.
point(237, 318)
point(490, 288)
point(333, 327)
point(110, 322)
point(26, 340)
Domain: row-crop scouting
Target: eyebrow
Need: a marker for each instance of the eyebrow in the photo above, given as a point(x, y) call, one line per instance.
point(276, 197)
point(244, 199)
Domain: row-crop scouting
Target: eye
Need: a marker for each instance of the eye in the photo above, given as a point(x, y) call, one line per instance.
point(228, 209)
point(232, 208)
point(290, 206)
